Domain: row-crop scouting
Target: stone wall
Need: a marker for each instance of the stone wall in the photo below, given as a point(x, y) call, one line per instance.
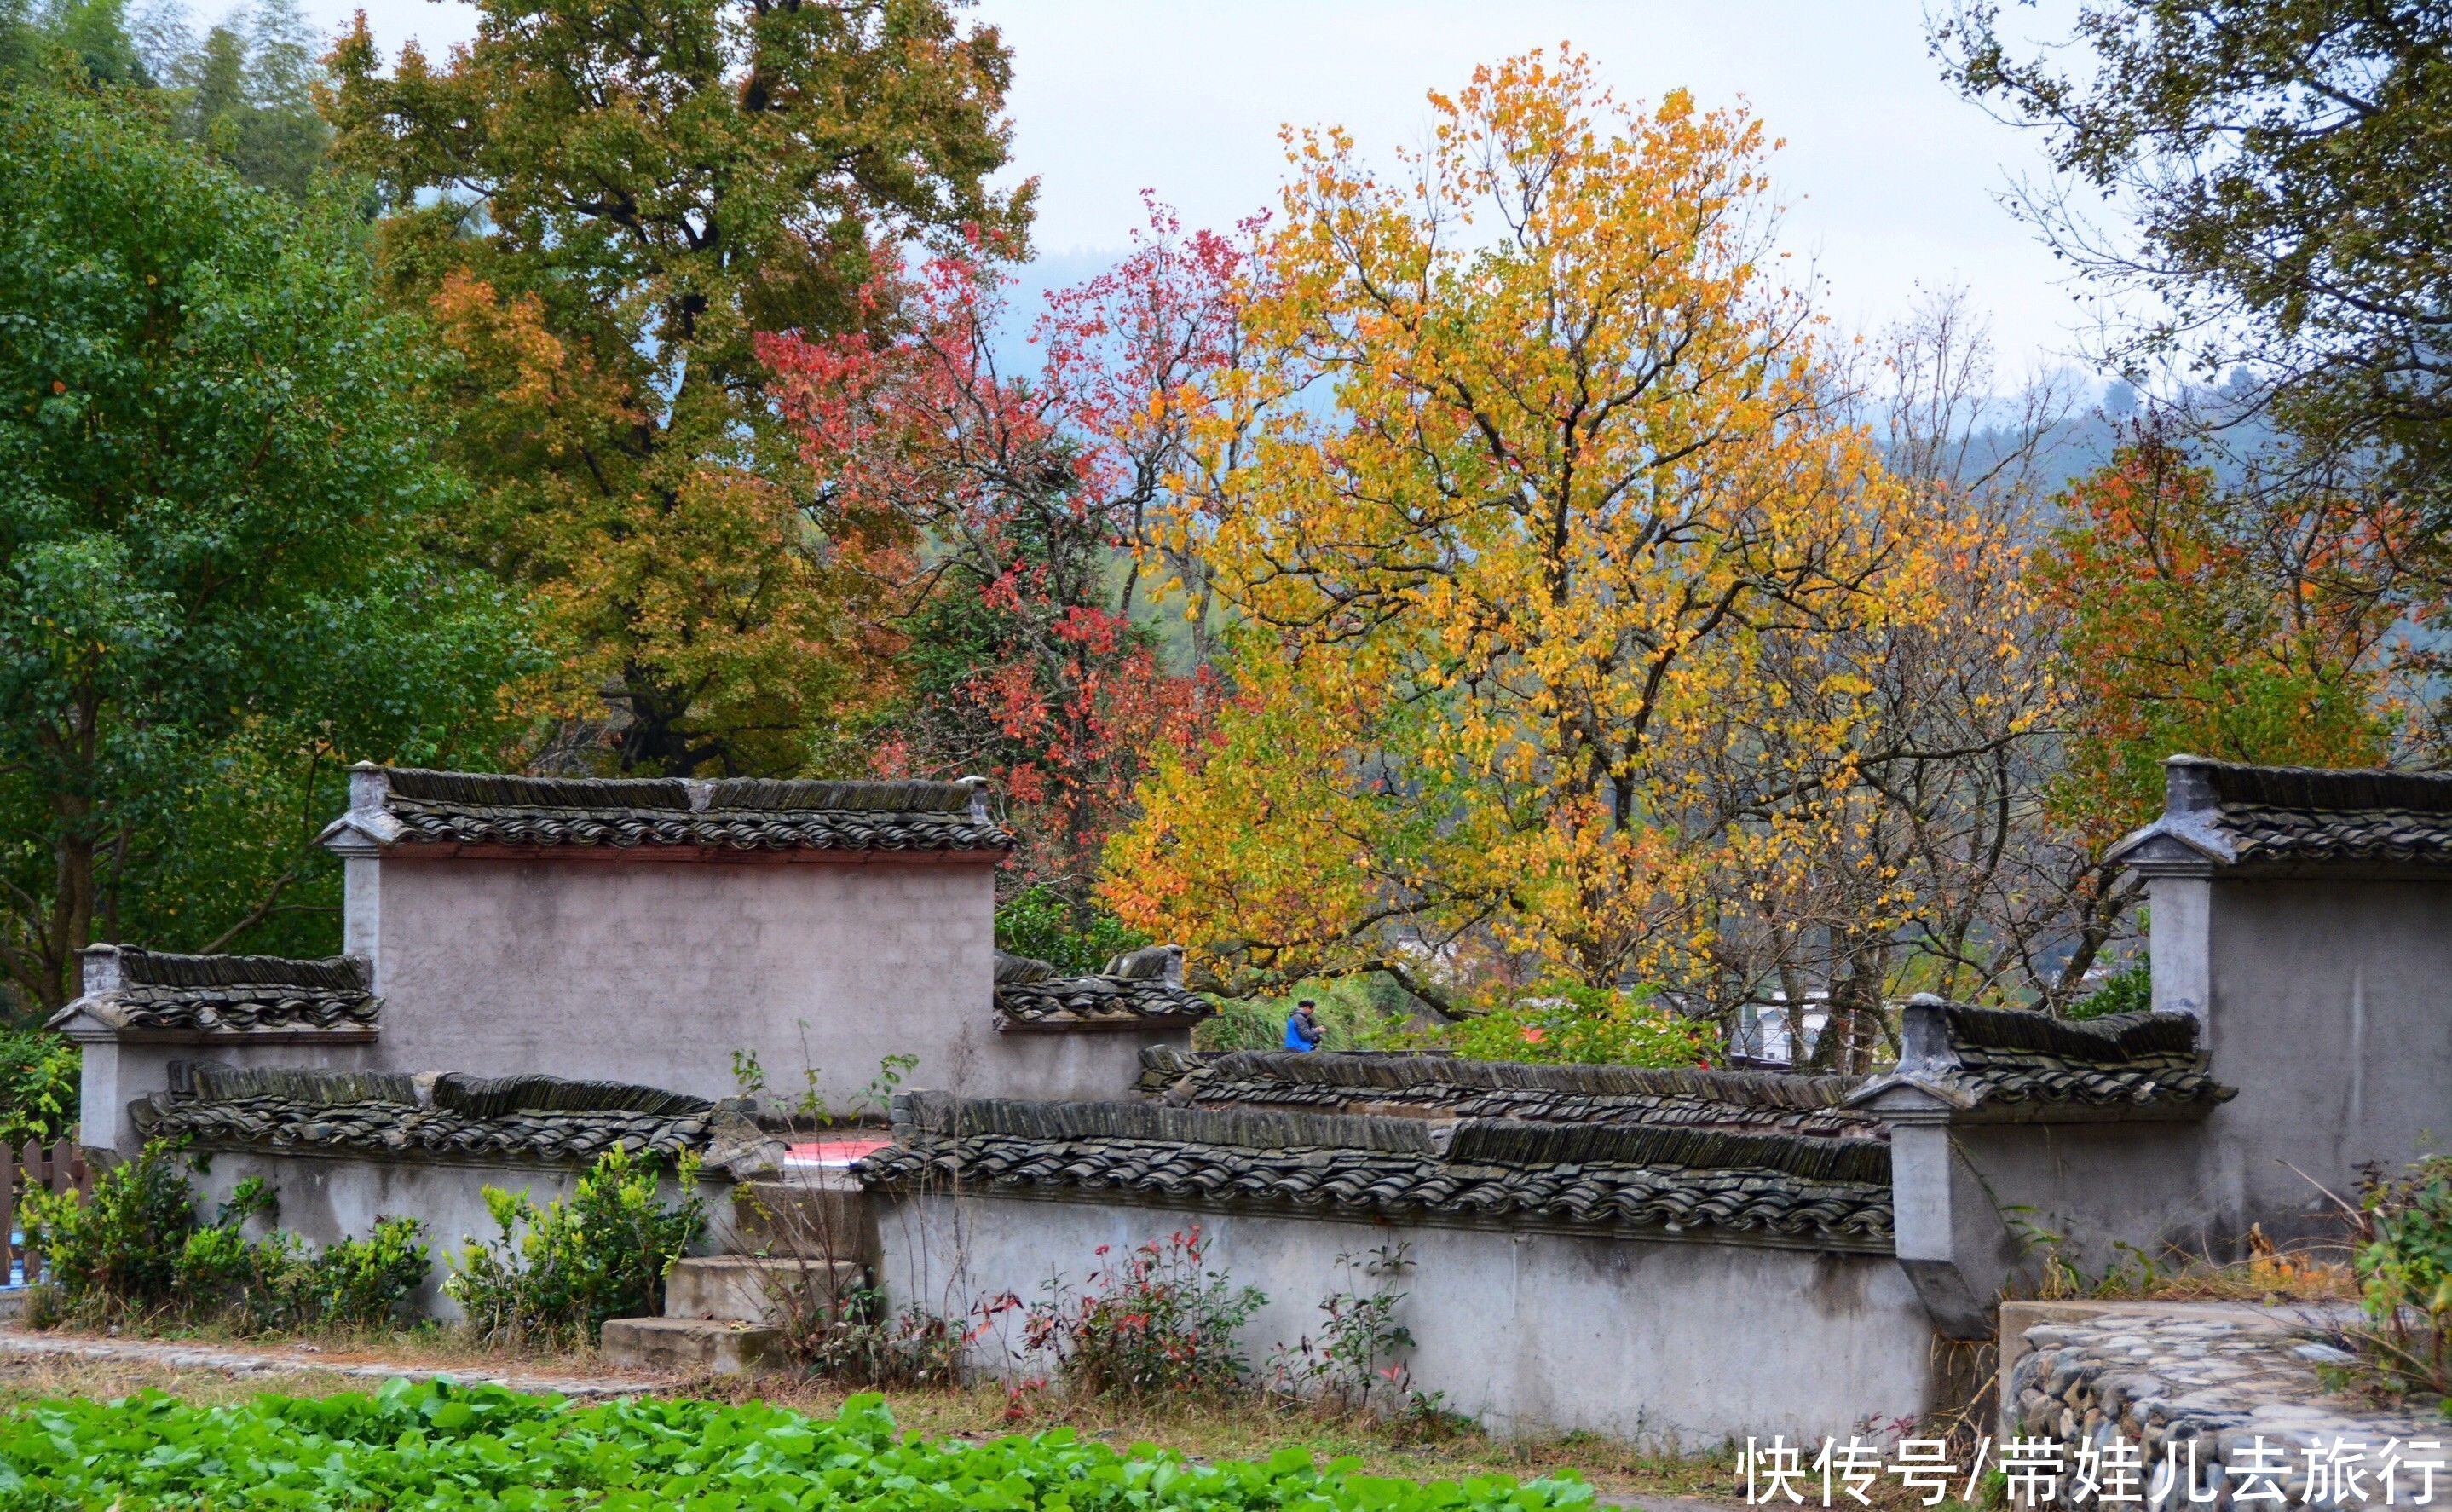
point(1659, 1341)
point(2197, 1387)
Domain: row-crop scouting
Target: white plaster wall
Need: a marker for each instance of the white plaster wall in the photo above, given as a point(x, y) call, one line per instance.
point(1660, 1342)
point(2327, 1002)
point(110, 1077)
point(2331, 1011)
point(324, 1198)
point(113, 1074)
point(2094, 1186)
point(655, 971)
point(1095, 1065)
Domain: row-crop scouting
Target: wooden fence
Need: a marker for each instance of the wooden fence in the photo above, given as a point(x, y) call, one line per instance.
point(36, 1168)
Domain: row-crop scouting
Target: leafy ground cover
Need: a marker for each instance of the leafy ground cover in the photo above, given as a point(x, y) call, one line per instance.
point(1239, 1429)
point(437, 1445)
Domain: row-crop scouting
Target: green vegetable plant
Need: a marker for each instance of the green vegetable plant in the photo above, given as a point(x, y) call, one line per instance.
point(437, 1447)
point(554, 1275)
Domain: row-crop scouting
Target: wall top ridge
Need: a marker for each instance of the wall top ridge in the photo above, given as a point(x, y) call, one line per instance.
point(130, 992)
point(2228, 815)
point(395, 809)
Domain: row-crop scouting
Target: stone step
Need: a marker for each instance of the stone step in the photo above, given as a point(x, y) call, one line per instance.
point(822, 1217)
point(690, 1347)
point(755, 1289)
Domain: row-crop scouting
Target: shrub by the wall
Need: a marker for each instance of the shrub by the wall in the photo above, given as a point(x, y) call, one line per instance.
point(2405, 1270)
point(38, 1086)
point(361, 1283)
point(1355, 1363)
point(119, 1250)
point(278, 1284)
point(863, 1341)
point(554, 1275)
point(1157, 1324)
point(137, 1251)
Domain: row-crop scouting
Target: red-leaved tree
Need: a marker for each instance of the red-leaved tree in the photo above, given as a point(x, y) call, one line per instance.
point(1019, 528)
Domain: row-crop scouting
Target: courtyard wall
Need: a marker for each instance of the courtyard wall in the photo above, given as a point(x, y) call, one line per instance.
point(1662, 1342)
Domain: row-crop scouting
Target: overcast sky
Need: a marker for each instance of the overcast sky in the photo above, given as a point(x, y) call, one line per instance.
point(1891, 182)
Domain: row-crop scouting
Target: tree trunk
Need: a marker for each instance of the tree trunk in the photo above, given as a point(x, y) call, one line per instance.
point(71, 904)
point(2103, 914)
point(653, 741)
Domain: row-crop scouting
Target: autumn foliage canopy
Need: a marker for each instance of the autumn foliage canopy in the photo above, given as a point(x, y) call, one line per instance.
point(1485, 574)
point(1531, 506)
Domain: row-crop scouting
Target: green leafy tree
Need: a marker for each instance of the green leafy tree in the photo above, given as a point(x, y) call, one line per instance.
point(1570, 1023)
point(246, 93)
point(2190, 622)
point(603, 206)
point(212, 464)
point(2289, 163)
point(79, 42)
point(1041, 923)
point(38, 1086)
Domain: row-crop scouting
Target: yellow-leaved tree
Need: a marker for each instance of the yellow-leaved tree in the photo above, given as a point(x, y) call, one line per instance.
point(1535, 510)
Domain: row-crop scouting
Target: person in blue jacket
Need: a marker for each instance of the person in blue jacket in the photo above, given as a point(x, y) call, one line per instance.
point(1302, 1027)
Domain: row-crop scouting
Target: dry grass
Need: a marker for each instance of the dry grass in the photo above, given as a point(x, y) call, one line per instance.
point(28, 1379)
point(431, 1346)
point(2269, 1279)
point(2305, 1273)
point(1244, 1430)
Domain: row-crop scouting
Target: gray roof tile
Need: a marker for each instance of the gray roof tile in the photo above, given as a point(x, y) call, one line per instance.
point(1784, 1187)
point(507, 1119)
point(231, 996)
point(1143, 989)
point(477, 809)
point(2018, 1063)
point(2224, 814)
point(1677, 1097)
